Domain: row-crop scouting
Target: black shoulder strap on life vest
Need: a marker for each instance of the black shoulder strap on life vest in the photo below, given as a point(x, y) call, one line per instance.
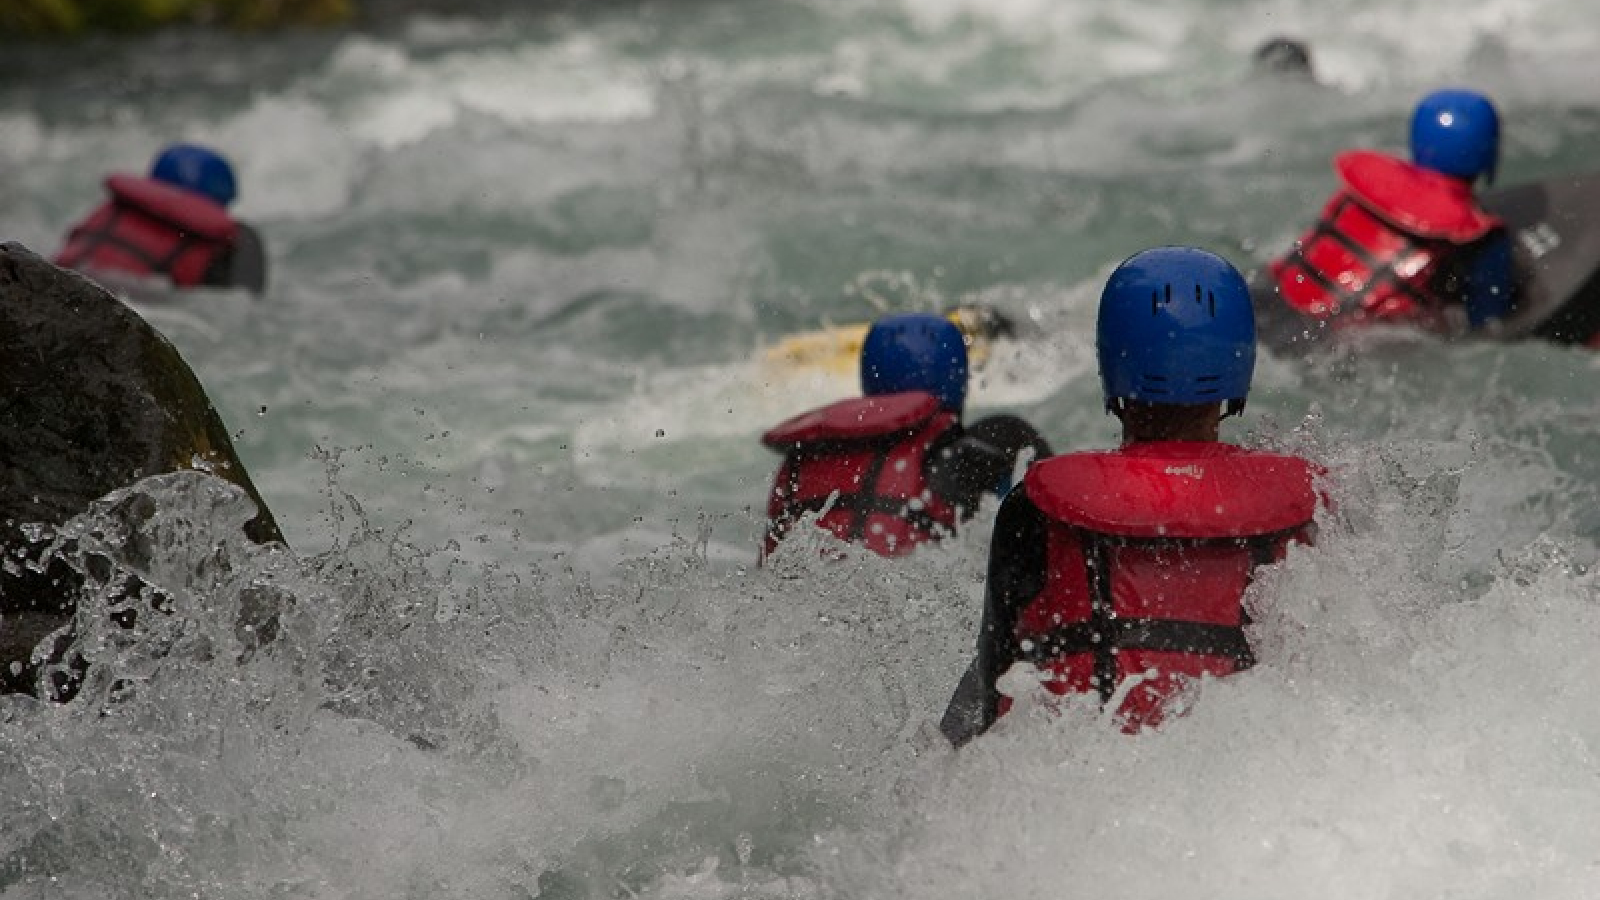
point(1385, 272)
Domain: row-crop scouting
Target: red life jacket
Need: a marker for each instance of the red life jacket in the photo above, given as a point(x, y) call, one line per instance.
point(1148, 553)
point(871, 451)
point(1383, 245)
point(149, 227)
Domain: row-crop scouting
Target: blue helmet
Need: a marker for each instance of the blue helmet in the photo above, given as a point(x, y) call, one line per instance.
point(1176, 326)
point(915, 352)
point(1456, 132)
point(197, 169)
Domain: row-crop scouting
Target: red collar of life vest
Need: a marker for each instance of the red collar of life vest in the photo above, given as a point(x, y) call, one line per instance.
point(1418, 201)
point(856, 419)
point(1175, 489)
point(191, 212)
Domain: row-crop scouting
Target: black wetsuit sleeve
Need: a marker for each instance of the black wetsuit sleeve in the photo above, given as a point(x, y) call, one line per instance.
point(980, 459)
point(244, 265)
point(1016, 576)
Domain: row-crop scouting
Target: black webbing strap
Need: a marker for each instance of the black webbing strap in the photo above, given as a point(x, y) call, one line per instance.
point(1102, 613)
point(862, 506)
point(1105, 634)
point(107, 235)
point(1168, 635)
point(184, 244)
point(1384, 272)
point(860, 503)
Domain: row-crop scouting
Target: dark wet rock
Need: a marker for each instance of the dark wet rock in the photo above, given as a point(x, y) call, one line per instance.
point(92, 399)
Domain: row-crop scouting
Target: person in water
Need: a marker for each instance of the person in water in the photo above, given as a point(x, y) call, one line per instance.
point(1283, 57)
point(1402, 242)
point(896, 468)
point(173, 224)
point(1122, 573)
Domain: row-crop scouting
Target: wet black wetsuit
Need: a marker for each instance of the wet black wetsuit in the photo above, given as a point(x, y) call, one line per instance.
point(980, 458)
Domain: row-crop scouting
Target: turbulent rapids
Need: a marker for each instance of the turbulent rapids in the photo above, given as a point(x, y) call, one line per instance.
point(503, 397)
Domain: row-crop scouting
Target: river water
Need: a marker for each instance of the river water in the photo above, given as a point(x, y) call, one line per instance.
point(504, 392)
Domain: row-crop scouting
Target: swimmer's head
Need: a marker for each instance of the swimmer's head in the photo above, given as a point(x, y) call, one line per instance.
point(196, 169)
point(915, 352)
point(1283, 56)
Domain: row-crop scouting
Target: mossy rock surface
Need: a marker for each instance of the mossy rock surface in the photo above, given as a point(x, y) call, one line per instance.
point(42, 18)
point(92, 398)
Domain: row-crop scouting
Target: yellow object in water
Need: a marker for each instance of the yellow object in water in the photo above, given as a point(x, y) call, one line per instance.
point(836, 349)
